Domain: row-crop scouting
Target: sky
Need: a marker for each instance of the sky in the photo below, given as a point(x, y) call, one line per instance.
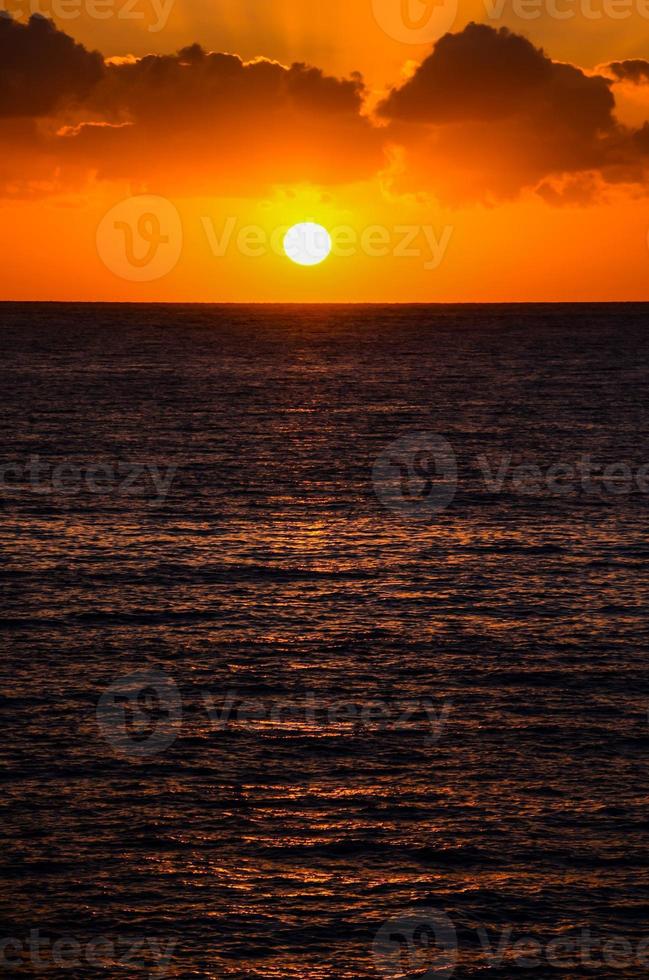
point(158, 150)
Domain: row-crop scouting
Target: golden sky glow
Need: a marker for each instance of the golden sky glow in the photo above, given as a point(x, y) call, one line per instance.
point(467, 167)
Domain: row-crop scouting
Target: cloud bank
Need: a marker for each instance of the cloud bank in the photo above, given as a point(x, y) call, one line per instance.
point(484, 117)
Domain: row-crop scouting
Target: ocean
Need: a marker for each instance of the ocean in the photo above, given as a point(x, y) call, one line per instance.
point(324, 641)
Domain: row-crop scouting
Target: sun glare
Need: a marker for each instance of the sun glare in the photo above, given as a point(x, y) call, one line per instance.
point(307, 243)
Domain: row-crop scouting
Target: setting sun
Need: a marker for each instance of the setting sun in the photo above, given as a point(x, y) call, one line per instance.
point(307, 243)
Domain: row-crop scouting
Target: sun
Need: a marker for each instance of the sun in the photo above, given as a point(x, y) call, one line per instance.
point(307, 243)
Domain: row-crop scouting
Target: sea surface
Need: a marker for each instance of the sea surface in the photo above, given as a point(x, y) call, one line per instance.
point(303, 675)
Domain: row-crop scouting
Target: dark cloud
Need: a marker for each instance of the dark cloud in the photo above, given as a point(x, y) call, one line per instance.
point(193, 81)
point(635, 70)
point(483, 75)
point(193, 122)
point(488, 114)
point(210, 123)
point(41, 67)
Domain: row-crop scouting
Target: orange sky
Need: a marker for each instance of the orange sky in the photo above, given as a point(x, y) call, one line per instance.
point(466, 167)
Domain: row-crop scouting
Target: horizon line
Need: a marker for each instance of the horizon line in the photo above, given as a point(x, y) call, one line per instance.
point(319, 303)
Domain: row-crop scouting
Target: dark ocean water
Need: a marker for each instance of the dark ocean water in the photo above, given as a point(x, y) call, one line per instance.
point(389, 712)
